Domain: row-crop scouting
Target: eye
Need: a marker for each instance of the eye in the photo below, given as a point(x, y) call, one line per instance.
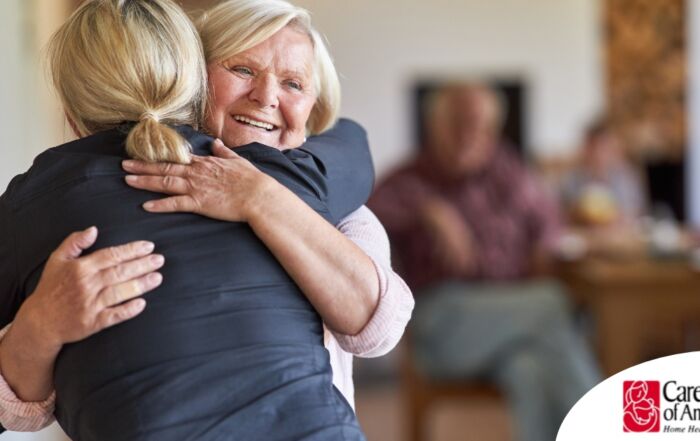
point(296, 85)
point(241, 70)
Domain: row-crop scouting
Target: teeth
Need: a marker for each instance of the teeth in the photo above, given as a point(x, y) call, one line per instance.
point(252, 122)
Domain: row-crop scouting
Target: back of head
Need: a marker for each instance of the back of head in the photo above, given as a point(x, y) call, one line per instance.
point(234, 26)
point(117, 61)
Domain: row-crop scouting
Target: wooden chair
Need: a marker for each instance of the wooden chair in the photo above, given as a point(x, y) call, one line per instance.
point(421, 393)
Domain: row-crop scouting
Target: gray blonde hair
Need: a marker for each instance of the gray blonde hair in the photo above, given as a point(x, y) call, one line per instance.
point(234, 26)
point(116, 61)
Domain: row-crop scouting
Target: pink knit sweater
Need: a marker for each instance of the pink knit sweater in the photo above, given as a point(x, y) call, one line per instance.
point(380, 335)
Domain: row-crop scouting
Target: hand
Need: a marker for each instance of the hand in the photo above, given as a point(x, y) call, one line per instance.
point(79, 296)
point(454, 243)
point(224, 186)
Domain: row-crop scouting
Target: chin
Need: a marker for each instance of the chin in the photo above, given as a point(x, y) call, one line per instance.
point(241, 135)
point(238, 141)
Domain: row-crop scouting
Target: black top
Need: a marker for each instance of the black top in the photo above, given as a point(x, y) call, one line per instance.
point(228, 348)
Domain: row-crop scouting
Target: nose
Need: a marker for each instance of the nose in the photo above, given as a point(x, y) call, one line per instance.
point(265, 91)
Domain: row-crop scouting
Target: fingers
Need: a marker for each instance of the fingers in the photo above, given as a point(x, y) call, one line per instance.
point(75, 243)
point(221, 151)
point(131, 270)
point(159, 184)
point(108, 257)
point(156, 168)
point(172, 204)
point(119, 293)
point(117, 314)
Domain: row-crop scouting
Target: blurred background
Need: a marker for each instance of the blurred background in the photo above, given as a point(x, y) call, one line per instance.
point(592, 90)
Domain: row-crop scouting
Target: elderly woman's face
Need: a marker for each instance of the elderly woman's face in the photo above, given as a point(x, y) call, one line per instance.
point(264, 94)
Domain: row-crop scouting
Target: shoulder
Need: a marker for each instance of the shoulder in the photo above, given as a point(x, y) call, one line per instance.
point(349, 126)
point(59, 166)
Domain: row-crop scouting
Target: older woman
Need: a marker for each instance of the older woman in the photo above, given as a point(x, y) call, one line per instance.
point(261, 92)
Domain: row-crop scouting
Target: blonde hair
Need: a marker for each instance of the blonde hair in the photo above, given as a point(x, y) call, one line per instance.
point(116, 61)
point(234, 26)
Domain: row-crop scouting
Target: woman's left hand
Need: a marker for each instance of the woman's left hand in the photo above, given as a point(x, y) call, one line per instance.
point(224, 186)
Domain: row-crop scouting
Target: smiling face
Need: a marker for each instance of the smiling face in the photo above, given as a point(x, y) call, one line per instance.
point(264, 94)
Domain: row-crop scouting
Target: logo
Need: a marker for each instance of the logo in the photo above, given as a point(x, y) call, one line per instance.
point(641, 403)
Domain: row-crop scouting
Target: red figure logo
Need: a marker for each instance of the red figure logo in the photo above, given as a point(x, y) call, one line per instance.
point(642, 406)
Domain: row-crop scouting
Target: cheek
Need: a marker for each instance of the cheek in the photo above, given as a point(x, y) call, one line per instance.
point(297, 114)
point(222, 94)
point(213, 119)
point(224, 89)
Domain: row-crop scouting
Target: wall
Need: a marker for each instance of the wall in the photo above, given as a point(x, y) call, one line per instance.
point(12, 43)
point(32, 119)
point(380, 48)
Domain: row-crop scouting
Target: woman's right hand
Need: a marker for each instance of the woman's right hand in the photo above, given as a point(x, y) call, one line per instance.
point(75, 298)
point(80, 296)
point(224, 186)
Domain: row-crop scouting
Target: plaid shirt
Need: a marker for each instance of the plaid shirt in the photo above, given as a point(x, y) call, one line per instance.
point(507, 210)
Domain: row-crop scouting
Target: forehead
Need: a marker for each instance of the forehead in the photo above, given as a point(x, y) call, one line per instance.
point(288, 50)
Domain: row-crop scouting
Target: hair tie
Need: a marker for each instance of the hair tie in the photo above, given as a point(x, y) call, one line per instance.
point(149, 115)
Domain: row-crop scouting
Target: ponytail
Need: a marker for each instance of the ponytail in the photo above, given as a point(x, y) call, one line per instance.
point(151, 141)
point(116, 61)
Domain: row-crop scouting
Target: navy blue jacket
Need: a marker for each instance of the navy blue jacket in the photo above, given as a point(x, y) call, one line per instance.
point(228, 348)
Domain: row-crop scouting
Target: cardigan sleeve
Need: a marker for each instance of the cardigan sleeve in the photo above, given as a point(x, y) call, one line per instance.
point(23, 416)
point(388, 322)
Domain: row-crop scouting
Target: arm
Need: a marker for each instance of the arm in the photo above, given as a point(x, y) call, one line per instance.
point(76, 297)
point(336, 276)
point(23, 416)
point(413, 211)
point(386, 326)
point(400, 200)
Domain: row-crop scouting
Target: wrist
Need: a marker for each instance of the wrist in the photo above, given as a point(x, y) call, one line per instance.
point(29, 328)
point(262, 198)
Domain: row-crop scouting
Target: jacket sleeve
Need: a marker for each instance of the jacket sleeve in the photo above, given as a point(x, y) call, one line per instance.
point(10, 294)
point(344, 164)
point(14, 413)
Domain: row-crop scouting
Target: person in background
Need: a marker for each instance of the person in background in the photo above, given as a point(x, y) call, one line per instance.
point(472, 228)
point(604, 190)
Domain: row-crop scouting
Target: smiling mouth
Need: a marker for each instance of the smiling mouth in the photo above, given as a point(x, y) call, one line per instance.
point(254, 123)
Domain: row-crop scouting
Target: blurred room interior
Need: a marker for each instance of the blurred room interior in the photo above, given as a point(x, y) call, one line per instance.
point(560, 65)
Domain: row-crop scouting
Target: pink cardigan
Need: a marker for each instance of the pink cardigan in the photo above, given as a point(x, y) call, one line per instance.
point(380, 335)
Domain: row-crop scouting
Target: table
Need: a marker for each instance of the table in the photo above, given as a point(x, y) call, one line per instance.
point(642, 308)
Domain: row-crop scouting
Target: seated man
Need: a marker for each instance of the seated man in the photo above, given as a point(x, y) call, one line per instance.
point(471, 226)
